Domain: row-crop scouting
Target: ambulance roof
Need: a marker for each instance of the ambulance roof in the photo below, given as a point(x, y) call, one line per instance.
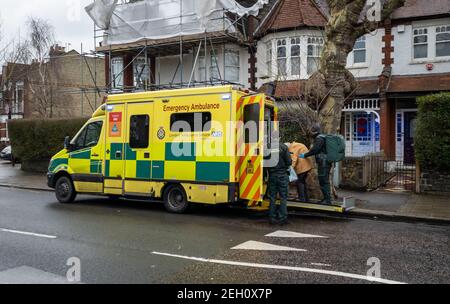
point(135, 97)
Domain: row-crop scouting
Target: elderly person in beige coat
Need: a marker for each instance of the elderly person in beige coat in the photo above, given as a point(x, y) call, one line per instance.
point(302, 167)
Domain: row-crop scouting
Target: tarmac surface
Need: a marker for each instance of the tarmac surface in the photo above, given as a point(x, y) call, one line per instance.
point(138, 242)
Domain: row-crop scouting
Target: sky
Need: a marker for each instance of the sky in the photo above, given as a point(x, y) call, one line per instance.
point(68, 17)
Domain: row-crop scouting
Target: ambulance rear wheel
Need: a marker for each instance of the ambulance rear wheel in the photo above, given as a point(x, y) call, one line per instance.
point(65, 191)
point(175, 199)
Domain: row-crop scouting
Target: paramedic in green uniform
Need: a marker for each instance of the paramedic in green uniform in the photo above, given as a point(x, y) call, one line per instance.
point(279, 180)
point(323, 166)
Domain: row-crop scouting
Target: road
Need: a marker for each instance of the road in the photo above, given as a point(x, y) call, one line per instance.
point(138, 242)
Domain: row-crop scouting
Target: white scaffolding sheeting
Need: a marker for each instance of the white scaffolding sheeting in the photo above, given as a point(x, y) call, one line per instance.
point(161, 19)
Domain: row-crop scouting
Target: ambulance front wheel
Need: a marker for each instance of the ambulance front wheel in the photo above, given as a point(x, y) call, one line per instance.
point(65, 191)
point(175, 199)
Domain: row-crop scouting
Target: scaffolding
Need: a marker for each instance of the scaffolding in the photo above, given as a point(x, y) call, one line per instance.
point(216, 27)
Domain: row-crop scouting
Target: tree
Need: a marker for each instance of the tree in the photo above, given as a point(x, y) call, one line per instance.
point(41, 40)
point(333, 84)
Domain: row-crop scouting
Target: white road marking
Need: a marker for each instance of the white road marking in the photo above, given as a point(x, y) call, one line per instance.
point(290, 234)
point(279, 267)
point(29, 233)
point(320, 265)
point(252, 245)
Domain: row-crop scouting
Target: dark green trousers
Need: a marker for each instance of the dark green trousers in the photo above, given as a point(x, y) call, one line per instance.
point(278, 184)
point(324, 180)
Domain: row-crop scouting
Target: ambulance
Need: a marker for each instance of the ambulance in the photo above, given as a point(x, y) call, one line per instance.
point(181, 147)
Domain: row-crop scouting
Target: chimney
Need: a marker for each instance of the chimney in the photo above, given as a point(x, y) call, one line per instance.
point(57, 50)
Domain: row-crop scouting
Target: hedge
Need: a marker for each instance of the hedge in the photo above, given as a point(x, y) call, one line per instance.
point(39, 140)
point(432, 138)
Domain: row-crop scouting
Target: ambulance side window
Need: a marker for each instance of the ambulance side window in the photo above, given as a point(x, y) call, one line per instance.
point(139, 131)
point(251, 123)
point(89, 136)
point(190, 122)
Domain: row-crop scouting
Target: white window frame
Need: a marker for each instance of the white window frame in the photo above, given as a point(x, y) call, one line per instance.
point(18, 105)
point(282, 43)
point(138, 63)
point(227, 66)
point(418, 32)
point(440, 30)
point(202, 72)
point(214, 66)
point(317, 44)
point(295, 41)
point(361, 49)
point(117, 79)
point(269, 58)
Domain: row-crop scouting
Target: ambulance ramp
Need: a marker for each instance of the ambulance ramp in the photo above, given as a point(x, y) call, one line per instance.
point(345, 206)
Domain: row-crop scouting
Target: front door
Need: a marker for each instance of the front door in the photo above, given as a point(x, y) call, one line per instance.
point(115, 149)
point(86, 159)
point(250, 147)
point(410, 129)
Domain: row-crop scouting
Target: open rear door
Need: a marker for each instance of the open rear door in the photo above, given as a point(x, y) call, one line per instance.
point(250, 141)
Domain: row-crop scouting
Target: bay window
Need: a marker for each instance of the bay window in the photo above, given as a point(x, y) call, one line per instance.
point(269, 55)
point(141, 73)
point(232, 65)
point(315, 45)
point(295, 57)
point(282, 57)
point(117, 73)
point(420, 43)
point(443, 41)
point(214, 66)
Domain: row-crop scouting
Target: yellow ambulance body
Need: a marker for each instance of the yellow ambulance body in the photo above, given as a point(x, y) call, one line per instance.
point(136, 145)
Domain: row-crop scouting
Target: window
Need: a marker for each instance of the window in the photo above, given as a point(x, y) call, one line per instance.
point(141, 73)
point(295, 56)
point(251, 123)
point(190, 122)
point(269, 55)
point(214, 66)
point(315, 45)
point(420, 43)
point(443, 41)
point(282, 57)
point(269, 117)
point(117, 73)
point(202, 75)
point(139, 131)
point(365, 127)
point(359, 50)
point(89, 136)
point(18, 98)
point(232, 65)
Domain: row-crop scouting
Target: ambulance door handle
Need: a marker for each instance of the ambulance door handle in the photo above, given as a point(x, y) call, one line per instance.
point(95, 155)
point(118, 154)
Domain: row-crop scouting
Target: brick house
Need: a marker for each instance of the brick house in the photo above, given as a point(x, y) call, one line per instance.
point(408, 57)
point(13, 97)
point(73, 86)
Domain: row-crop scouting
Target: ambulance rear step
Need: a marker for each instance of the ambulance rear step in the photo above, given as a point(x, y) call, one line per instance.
point(346, 205)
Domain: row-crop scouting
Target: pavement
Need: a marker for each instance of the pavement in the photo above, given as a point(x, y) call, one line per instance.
point(100, 241)
point(376, 205)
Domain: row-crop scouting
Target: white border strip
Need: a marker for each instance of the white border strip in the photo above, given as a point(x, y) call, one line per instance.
point(29, 233)
point(279, 267)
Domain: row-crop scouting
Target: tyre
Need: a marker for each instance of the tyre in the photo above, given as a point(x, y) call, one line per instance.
point(65, 191)
point(175, 199)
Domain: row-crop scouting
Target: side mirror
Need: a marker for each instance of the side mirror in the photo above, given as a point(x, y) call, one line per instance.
point(67, 143)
